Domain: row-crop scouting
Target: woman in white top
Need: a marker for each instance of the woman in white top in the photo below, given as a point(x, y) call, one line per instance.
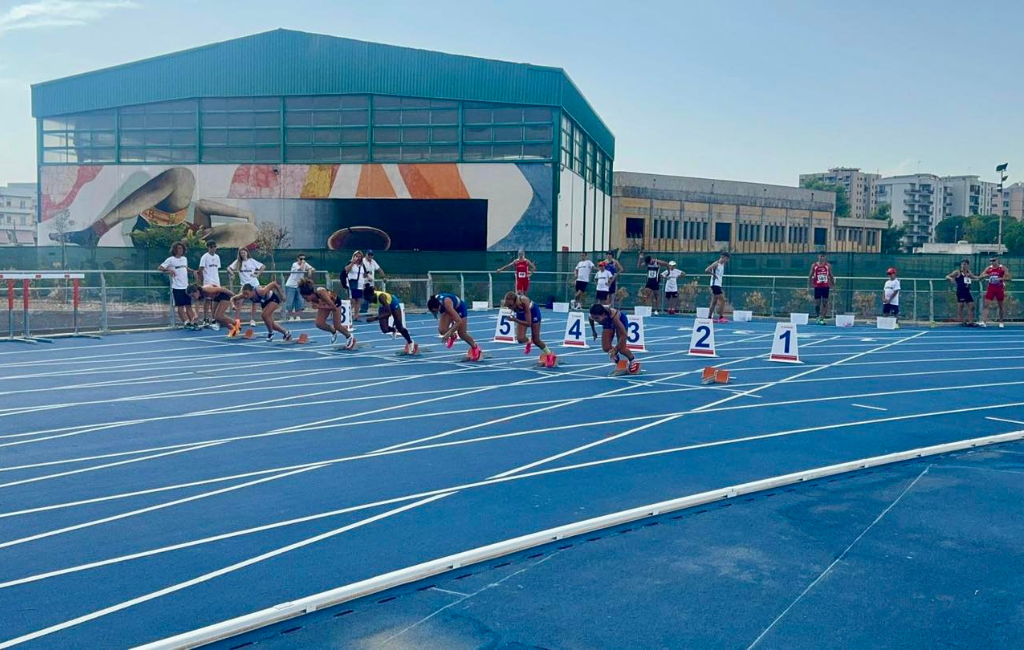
point(717, 271)
point(355, 274)
point(176, 266)
point(672, 276)
point(248, 271)
point(293, 303)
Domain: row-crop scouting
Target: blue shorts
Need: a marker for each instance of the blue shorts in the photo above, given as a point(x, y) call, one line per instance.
point(534, 315)
point(622, 319)
point(355, 290)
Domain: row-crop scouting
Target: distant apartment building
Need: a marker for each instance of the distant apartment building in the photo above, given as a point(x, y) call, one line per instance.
point(18, 214)
point(859, 187)
point(681, 214)
point(1011, 202)
point(916, 201)
point(966, 196)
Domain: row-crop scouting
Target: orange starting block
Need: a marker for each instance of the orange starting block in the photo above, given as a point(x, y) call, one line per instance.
point(547, 361)
point(249, 333)
point(303, 339)
point(622, 368)
point(712, 375)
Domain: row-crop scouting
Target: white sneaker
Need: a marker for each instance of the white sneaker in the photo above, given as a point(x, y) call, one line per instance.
point(1000, 326)
point(215, 327)
point(981, 323)
point(334, 337)
point(252, 323)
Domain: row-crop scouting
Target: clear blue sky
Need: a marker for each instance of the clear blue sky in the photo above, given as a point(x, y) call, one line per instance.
point(744, 90)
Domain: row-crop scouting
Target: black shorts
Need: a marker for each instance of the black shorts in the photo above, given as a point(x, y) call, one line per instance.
point(266, 300)
point(353, 288)
point(221, 297)
point(581, 286)
point(612, 287)
point(602, 295)
point(671, 294)
point(893, 310)
point(717, 290)
point(653, 285)
point(964, 297)
point(181, 298)
point(821, 293)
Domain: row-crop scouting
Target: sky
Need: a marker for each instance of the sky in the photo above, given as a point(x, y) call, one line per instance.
point(742, 90)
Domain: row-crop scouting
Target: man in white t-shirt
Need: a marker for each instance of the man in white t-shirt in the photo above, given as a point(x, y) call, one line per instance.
point(293, 302)
point(717, 271)
point(370, 269)
point(208, 275)
point(891, 295)
point(672, 276)
point(176, 266)
point(583, 271)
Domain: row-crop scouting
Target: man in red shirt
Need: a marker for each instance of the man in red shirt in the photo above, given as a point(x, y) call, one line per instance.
point(523, 268)
point(821, 279)
point(997, 276)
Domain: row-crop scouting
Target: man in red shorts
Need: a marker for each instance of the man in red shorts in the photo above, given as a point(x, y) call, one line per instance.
point(522, 268)
point(997, 276)
point(821, 279)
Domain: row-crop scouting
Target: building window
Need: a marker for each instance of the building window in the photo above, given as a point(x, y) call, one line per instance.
point(566, 142)
point(577, 149)
point(508, 132)
point(872, 237)
point(695, 230)
point(328, 128)
point(634, 228)
point(411, 129)
point(748, 232)
point(240, 129)
point(723, 232)
point(162, 133)
point(821, 236)
point(81, 138)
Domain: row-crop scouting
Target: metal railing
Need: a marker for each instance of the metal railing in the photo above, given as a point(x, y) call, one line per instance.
point(121, 300)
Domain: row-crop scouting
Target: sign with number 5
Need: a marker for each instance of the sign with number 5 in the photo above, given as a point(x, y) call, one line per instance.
point(503, 328)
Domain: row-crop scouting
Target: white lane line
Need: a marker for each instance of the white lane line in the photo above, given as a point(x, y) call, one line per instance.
point(995, 419)
point(873, 408)
point(211, 575)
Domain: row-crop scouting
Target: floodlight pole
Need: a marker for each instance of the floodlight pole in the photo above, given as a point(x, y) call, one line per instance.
point(1001, 169)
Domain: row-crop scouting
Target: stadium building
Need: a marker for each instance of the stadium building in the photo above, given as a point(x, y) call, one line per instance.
point(344, 143)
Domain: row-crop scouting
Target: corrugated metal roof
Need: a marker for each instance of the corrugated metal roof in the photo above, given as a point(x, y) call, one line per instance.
point(285, 62)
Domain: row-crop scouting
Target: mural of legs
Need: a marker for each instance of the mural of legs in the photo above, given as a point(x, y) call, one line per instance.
point(228, 235)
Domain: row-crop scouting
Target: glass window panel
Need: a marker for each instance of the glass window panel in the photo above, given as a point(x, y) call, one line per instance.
point(266, 136)
point(299, 136)
point(537, 151)
point(266, 103)
point(327, 136)
point(327, 101)
point(55, 139)
point(537, 114)
point(476, 152)
point(355, 101)
point(387, 134)
point(355, 118)
point(183, 137)
point(415, 134)
point(508, 151)
point(132, 121)
point(445, 116)
point(415, 152)
point(386, 102)
point(387, 117)
point(415, 102)
point(477, 134)
point(444, 152)
point(354, 154)
point(326, 154)
point(443, 103)
point(508, 133)
point(158, 137)
point(52, 124)
point(298, 119)
point(266, 119)
point(298, 154)
point(216, 136)
point(96, 155)
point(158, 121)
point(103, 139)
point(387, 152)
point(538, 133)
point(415, 117)
point(508, 114)
point(444, 134)
point(296, 103)
point(183, 120)
point(477, 116)
point(353, 135)
point(326, 118)
point(240, 137)
point(215, 119)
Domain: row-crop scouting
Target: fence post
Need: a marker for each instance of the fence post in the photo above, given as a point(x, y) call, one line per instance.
point(462, 287)
point(430, 285)
point(490, 290)
point(771, 312)
point(915, 301)
point(931, 301)
point(103, 304)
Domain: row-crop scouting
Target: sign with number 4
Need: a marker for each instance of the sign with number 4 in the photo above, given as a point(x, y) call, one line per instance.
point(635, 334)
point(504, 329)
point(575, 334)
point(784, 345)
point(702, 338)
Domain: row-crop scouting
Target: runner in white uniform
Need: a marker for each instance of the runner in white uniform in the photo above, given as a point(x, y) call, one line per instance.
point(717, 271)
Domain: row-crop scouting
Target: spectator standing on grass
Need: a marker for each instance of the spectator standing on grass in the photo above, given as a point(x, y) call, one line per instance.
point(717, 271)
point(293, 303)
point(248, 271)
point(821, 279)
point(208, 275)
point(176, 266)
point(891, 295)
point(997, 276)
point(961, 279)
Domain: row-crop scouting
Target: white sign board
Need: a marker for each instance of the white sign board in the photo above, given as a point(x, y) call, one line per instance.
point(575, 333)
point(844, 320)
point(784, 344)
point(742, 316)
point(504, 329)
point(798, 319)
point(635, 334)
point(702, 339)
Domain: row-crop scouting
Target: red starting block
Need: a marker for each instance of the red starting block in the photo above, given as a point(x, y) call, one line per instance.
point(712, 375)
point(547, 361)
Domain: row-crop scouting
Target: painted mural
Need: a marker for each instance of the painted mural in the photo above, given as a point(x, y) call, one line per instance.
point(497, 206)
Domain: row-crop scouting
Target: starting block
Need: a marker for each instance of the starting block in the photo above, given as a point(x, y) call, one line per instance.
point(712, 375)
point(547, 361)
point(415, 352)
point(622, 368)
point(466, 359)
point(249, 333)
point(358, 346)
point(302, 340)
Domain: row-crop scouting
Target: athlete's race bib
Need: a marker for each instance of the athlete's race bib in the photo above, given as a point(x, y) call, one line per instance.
point(822, 278)
point(522, 274)
point(967, 281)
point(653, 274)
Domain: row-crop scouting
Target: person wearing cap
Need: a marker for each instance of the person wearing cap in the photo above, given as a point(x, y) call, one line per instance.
point(997, 275)
point(604, 280)
point(370, 270)
point(672, 276)
point(717, 271)
point(961, 278)
point(583, 270)
point(891, 295)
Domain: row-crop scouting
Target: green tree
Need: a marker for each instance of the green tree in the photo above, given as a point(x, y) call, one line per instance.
point(161, 237)
point(892, 238)
point(842, 200)
point(950, 230)
point(882, 212)
point(1013, 236)
point(983, 229)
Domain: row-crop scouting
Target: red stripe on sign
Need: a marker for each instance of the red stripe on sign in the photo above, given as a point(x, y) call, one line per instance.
point(785, 357)
point(579, 343)
point(636, 347)
point(696, 351)
point(504, 338)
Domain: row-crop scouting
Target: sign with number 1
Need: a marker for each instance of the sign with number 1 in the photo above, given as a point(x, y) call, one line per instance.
point(784, 344)
point(504, 329)
point(702, 338)
point(575, 333)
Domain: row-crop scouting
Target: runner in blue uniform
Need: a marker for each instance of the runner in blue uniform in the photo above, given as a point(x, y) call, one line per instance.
point(526, 313)
point(450, 310)
point(268, 297)
point(613, 325)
